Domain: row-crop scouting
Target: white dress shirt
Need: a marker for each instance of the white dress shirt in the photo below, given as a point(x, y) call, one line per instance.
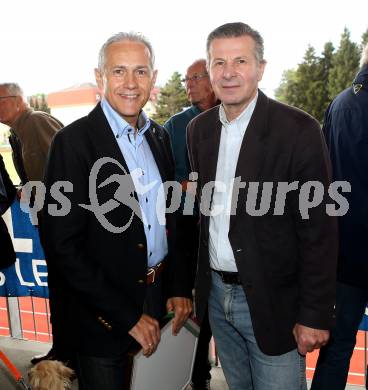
point(232, 133)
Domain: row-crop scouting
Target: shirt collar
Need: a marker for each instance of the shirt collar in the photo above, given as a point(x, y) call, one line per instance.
point(119, 125)
point(242, 119)
point(195, 109)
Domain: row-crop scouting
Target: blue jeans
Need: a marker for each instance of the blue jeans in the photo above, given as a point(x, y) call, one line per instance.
point(334, 359)
point(245, 366)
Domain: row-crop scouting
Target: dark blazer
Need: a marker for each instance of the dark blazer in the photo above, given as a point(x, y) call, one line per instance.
point(286, 264)
point(346, 130)
point(7, 254)
point(101, 275)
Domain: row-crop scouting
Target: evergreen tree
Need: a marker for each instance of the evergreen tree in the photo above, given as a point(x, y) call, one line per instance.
point(43, 105)
point(326, 66)
point(364, 38)
point(39, 103)
point(287, 91)
point(172, 99)
point(345, 65)
point(305, 87)
point(318, 79)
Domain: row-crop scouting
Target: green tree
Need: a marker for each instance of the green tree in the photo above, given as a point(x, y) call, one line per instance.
point(305, 86)
point(287, 92)
point(364, 38)
point(326, 63)
point(345, 65)
point(318, 79)
point(172, 99)
point(39, 103)
point(43, 105)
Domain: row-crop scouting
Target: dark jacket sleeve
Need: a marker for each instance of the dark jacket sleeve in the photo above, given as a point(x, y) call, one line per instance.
point(179, 284)
point(316, 235)
point(65, 240)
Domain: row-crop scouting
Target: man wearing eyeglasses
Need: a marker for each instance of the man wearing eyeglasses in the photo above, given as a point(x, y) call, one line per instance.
point(31, 132)
point(200, 94)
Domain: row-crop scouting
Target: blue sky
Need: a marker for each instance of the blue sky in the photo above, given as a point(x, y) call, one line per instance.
point(50, 45)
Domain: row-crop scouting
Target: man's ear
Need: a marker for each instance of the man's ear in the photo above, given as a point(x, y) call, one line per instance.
point(261, 69)
point(154, 78)
point(99, 79)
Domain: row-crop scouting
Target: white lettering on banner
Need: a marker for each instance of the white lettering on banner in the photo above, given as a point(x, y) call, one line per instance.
point(40, 277)
point(24, 245)
point(38, 274)
point(20, 277)
point(2, 279)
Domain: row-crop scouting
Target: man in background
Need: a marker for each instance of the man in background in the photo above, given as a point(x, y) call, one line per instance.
point(267, 277)
point(201, 96)
point(31, 133)
point(346, 131)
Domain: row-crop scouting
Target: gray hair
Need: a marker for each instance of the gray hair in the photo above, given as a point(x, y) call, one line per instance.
point(124, 36)
point(237, 29)
point(12, 88)
point(364, 57)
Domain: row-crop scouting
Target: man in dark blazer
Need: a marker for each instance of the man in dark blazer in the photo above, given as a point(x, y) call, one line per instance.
point(109, 256)
point(346, 130)
point(268, 279)
point(7, 195)
point(200, 94)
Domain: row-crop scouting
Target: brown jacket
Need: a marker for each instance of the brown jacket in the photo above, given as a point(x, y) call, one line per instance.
point(30, 139)
point(287, 264)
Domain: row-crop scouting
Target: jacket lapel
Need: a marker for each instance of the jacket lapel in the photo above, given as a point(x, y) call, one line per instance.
point(208, 156)
point(103, 136)
point(155, 141)
point(209, 147)
point(252, 151)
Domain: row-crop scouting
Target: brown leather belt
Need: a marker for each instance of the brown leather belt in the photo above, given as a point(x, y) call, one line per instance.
point(154, 272)
point(228, 277)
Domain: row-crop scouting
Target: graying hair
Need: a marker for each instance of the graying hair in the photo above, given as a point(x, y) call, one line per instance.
point(364, 57)
point(124, 36)
point(237, 29)
point(13, 89)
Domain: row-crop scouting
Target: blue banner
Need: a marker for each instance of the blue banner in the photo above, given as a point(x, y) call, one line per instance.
point(28, 276)
point(364, 323)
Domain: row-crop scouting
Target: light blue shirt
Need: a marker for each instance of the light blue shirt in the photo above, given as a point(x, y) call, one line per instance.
point(144, 171)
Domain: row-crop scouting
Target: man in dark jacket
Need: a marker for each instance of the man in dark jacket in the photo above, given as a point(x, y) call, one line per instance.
point(7, 195)
point(202, 98)
point(115, 272)
point(267, 276)
point(346, 131)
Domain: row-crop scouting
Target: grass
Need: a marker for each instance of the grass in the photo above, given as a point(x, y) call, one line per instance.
point(7, 156)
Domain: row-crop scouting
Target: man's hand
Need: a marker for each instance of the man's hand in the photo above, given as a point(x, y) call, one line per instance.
point(147, 332)
point(309, 339)
point(182, 307)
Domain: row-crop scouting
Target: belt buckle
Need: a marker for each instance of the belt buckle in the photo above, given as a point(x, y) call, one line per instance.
point(150, 272)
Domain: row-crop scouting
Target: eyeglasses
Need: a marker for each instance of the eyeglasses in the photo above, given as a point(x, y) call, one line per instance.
point(195, 78)
point(9, 96)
